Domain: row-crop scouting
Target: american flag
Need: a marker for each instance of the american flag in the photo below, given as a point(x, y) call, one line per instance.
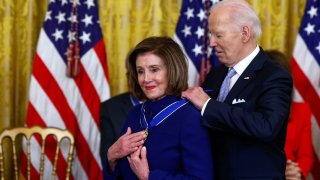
point(305, 64)
point(193, 37)
point(70, 102)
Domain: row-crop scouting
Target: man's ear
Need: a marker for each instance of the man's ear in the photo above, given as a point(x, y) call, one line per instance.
point(245, 34)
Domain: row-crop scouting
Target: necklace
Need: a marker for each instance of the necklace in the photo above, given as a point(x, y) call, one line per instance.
point(145, 120)
point(161, 116)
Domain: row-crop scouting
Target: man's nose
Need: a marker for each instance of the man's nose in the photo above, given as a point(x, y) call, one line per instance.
point(212, 42)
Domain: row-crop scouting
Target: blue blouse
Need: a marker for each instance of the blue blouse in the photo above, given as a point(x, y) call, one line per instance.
point(178, 148)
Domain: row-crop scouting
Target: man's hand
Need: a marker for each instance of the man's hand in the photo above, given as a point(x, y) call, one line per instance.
point(196, 96)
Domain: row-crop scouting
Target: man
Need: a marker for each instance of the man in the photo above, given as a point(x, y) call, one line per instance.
point(247, 111)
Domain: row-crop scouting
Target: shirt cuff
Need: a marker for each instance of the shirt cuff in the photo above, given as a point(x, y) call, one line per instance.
point(204, 106)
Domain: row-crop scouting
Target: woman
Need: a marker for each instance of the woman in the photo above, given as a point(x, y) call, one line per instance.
point(298, 147)
point(175, 144)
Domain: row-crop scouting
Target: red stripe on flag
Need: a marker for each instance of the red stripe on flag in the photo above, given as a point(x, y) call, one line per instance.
point(35, 119)
point(99, 48)
point(306, 89)
point(52, 89)
point(50, 86)
point(50, 146)
point(89, 94)
point(33, 172)
point(71, 103)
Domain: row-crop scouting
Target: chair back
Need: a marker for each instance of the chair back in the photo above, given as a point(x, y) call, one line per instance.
point(29, 132)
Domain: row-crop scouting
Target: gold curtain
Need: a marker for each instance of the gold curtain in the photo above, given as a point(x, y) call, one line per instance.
point(127, 22)
point(124, 23)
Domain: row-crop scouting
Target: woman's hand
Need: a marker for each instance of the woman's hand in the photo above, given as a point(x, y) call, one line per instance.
point(139, 163)
point(125, 145)
point(293, 171)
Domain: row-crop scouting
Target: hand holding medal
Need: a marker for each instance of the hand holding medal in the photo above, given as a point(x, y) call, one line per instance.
point(125, 145)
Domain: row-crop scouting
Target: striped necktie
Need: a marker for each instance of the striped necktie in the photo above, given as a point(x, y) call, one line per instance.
point(224, 90)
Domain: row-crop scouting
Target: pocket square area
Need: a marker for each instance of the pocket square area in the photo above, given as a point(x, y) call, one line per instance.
point(236, 101)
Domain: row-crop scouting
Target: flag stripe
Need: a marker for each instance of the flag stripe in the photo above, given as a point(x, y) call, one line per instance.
point(101, 53)
point(60, 102)
point(50, 93)
point(315, 133)
point(93, 84)
point(193, 74)
point(48, 112)
point(49, 157)
point(192, 35)
point(37, 119)
point(306, 71)
point(88, 94)
point(296, 95)
point(316, 146)
point(33, 172)
point(306, 89)
point(73, 96)
point(310, 68)
point(71, 37)
point(77, 170)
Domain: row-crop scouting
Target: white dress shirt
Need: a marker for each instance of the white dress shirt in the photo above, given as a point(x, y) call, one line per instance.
point(239, 68)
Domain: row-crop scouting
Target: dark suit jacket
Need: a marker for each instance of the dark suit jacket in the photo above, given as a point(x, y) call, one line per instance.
point(249, 137)
point(113, 114)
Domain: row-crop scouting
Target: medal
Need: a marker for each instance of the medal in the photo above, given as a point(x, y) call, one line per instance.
point(159, 117)
point(146, 132)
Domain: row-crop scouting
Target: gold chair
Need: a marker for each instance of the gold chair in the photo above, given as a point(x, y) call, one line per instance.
point(27, 132)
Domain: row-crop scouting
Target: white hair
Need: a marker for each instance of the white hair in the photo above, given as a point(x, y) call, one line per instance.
point(242, 15)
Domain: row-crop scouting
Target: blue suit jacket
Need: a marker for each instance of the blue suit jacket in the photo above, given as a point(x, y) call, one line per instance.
point(249, 129)
point(178, 148)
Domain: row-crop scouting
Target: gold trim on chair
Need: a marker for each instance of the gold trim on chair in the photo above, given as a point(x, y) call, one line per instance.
point(27, 132)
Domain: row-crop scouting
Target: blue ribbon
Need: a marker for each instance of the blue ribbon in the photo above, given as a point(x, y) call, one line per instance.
point(134, 100)
point(162, 115)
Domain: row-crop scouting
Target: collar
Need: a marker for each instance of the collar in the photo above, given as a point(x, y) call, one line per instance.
point(158, 105)
point(244, 63)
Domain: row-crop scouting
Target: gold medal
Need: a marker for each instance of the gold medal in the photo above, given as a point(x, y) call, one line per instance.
point(146, 132)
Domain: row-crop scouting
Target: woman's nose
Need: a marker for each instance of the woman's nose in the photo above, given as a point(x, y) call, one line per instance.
point(147, 77)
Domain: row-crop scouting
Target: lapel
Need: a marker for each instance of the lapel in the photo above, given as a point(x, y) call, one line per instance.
point(247, 76)
point(215, 79)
